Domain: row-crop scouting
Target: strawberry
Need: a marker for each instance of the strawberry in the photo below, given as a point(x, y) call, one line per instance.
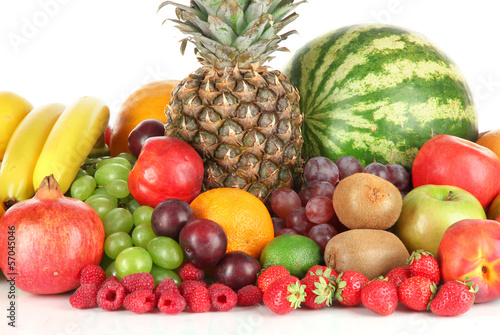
point(398, 275)
point(321, 270)
point(417, 292)
point(319, 291)
point(454, 298)
point(270, 274)
point(348, 287)
point(284, 295)
point(380, 296)
point(423, 263)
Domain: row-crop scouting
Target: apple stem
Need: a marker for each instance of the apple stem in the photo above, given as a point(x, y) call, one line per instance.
point(448, 196)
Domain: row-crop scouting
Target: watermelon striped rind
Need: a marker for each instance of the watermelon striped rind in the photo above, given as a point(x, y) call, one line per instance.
point(378, 92)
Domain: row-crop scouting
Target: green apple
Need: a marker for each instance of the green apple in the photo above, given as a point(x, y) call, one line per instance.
point(429, 210)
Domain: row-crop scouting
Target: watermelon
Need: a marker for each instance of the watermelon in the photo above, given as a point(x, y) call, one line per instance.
point(378, 92)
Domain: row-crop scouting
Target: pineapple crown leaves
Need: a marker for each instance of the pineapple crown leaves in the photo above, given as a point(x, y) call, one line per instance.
point(297, 294)
point(227, 33)
point(417, 254)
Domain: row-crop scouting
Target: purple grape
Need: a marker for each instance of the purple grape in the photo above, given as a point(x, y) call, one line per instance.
point(278, 223)
point(348, 165)
point(323, 188)
point(237, 269)
point(320, 169)
point(321, 234)
point(283, 201)
point(377, 169)
point(297, 220)
point(399, 176)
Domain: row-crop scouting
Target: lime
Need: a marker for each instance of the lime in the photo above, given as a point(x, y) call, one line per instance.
point(296, 253)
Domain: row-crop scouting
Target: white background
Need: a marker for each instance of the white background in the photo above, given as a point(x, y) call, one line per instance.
point(61, 50)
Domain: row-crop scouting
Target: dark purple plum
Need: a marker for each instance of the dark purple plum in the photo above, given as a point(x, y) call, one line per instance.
point(169, 216)
point(237, 269)
point(144, 130)
point(204, 242)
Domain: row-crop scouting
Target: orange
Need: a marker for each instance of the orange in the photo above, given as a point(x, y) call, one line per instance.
point(243, 216)
point(491, 140)
point(147, 102)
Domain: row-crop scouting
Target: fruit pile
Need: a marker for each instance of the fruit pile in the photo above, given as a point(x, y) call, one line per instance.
point(235, 192)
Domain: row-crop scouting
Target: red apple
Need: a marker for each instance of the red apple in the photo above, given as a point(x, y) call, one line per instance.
point(107, 135)
point(167, 168)
point(451, 160)
point(47, 240)
point(471, 248)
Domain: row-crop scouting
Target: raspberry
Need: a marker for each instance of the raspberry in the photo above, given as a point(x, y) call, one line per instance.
point(92, 274)
point(215, 286)
point(199, 300)
point(186, 287)
point(166, 285)
point(138, 281)
point(112, 279)
point(223, 298)
point(84, 297)
point(140, 301)
point(249, 295)
point(171, 302)
point(188, 271)
point(110, 297)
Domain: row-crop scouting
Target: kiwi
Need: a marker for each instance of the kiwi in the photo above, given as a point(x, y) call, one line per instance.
point(372, 252)
point(366, 201)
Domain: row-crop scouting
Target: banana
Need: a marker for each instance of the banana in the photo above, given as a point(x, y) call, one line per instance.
point(13, 108)
point(22, 152)
point(71, 140)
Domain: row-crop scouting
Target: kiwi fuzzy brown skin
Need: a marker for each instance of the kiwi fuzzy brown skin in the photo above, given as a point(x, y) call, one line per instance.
point(366, 201)
point(372, 252)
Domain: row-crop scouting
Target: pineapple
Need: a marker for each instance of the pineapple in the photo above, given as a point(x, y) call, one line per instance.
point(242, 117)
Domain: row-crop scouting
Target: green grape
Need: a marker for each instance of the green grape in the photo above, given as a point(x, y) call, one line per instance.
point(141, 235)
point(101, 205)
point(131, 158)
point(110, 172)
point(83, 187)
point(117, 219)
point(142, 214)
point(133, 260)
point(133, 205)
point(90, 165)
point(160, 273)
point(115, 160)
point(165, 252)
point(81, 173)
point(116, 243)
point(105, 261)
point(101, 192)
point(118, 188)
point(111, 270)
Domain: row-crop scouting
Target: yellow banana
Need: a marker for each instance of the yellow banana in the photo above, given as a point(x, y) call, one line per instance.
point(23, 150)
point(70, 141)
point(13, 108)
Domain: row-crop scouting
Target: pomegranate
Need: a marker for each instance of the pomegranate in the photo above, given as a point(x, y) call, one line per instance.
point(45, 241)
point(167, 168)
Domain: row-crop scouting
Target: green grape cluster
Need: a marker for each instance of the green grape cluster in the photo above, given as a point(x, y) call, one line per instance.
point(130, 245)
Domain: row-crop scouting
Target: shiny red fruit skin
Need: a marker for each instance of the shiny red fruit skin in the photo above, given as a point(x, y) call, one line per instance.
point(471, 248)
point(49, 241)
point(167, 168)
point(440, 157)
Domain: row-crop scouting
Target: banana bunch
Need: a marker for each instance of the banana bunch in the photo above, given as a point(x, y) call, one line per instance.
point(51, 139)
point(13, 109)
